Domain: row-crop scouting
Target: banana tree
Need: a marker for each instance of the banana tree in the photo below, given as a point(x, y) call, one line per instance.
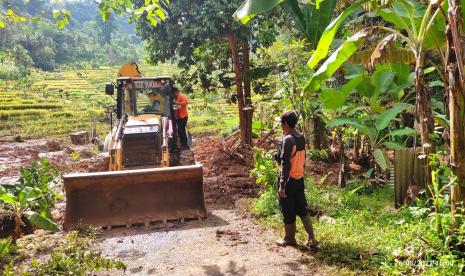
point(455, 61)
point(376, 129)
point(25, 202)
point(421, 35)
point(310, 18)
point(418, 28)
point(362, 95)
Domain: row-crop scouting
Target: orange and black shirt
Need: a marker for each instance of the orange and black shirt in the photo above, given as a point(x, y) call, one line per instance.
point(293, 156)
point(182, 100)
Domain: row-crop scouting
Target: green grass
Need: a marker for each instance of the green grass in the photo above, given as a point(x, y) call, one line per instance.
point(29, 106)
point(210, 121)
point(362, 233)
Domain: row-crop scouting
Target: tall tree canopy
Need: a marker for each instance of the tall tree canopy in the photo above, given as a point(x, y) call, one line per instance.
point(190, 25)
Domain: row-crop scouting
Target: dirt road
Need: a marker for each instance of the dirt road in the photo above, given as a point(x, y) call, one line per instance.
point(226, 243)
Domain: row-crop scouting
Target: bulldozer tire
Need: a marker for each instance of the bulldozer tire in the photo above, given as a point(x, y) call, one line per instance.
point(182, 158)
point(186, 158)
point(174, 159)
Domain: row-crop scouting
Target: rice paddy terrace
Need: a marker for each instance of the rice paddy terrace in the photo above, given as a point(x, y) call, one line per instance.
point(58, 103)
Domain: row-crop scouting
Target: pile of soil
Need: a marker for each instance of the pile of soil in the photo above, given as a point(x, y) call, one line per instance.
point(226, 171)
point(319, 170)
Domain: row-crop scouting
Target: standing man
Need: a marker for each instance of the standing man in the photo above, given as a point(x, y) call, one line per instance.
point(180, 111)
point(292, 201)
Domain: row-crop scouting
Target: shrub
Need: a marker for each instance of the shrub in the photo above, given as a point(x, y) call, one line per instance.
point(266, 173)
point(7, 249)
point(31, 198)
point(10, 72)
point(439, 246)
point(75, 257)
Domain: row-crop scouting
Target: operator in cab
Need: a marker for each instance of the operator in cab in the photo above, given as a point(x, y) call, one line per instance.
point(180, 103)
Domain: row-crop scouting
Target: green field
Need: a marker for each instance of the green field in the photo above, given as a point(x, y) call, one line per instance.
point(58, 103)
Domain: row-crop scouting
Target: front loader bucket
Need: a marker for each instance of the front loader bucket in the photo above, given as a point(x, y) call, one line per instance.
point(134, 196)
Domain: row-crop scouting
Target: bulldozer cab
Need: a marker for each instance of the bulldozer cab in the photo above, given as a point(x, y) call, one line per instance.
point(138, 96)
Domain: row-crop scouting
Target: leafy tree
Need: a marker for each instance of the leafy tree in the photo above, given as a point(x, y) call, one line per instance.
point(79, 45)
point(21, 57)
point(105, 28)
point(190, 25)
point(310, 19)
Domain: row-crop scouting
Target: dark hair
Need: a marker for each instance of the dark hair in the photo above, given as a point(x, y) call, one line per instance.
point(175, 89)
point(290, 118)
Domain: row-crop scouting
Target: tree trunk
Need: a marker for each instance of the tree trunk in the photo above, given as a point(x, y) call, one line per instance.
point(240, 93)
point(424, 115)
point(455, 59)
point(320, 140)
point(357, 142)
point(343, 163)
point(248, 110)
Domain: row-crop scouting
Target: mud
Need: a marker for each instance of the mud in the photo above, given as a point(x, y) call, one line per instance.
point(326, 173)
point(62, 156)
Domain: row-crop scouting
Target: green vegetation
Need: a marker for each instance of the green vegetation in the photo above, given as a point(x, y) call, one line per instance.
point(7, 251)
point(360, 231)
point(30, 200)
point(88, 42)
point(74, 256)
point(214, 118)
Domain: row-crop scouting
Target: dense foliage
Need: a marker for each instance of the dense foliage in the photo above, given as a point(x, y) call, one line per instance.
point(376, 82)
point(87, 40)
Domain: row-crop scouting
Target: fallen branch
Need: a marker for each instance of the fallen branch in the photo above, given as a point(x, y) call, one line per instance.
point(233, 154)
point(266, 136)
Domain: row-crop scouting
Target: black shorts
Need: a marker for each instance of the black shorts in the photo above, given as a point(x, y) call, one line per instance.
point(295, 203)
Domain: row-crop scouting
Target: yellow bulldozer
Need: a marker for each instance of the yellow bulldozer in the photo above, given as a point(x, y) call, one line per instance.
point(146, 181)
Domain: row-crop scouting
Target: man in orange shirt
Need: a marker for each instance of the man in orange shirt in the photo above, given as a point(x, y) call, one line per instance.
point(292, 201)
point(181, 115)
